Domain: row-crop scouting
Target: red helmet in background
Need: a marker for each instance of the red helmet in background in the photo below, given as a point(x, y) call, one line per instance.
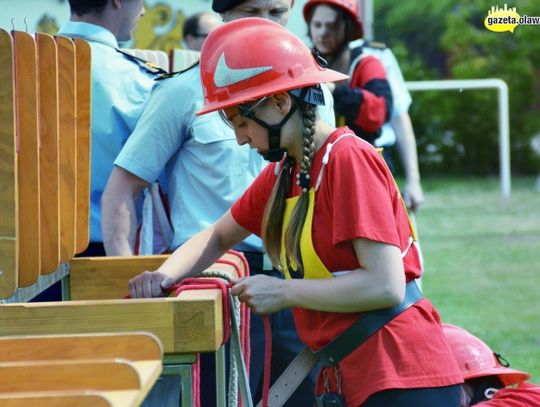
point(250, 58)
point(476, 359)
point(348, 6)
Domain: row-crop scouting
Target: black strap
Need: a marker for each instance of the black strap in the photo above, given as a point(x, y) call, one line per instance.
point(365, 327)
point(143, 63)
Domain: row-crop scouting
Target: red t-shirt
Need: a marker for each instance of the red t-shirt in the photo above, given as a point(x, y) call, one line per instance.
point(525, 395)
point(358, 198)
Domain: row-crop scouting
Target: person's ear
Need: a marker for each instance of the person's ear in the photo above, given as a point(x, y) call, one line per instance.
point(283, 102)
point(116, 3)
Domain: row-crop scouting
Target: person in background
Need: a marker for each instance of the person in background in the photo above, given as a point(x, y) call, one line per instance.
point(121, 86)
point(488, 376)
point(206, 172)
point(335, 29)
point(332, 221)
point(197, 27)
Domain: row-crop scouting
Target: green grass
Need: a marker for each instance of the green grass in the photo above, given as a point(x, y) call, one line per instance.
point(482, 262)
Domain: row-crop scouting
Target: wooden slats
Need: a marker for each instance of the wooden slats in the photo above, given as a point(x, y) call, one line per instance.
point(135, 346)
point(48, 152)
point(79, 370)
point(8, 172)
point(67, 152)
point(187, 324)
point(69, 398)
point(28, 237)
point(82, 219)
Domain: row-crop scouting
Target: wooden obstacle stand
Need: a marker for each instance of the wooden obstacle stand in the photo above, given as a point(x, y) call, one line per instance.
point(44, 222)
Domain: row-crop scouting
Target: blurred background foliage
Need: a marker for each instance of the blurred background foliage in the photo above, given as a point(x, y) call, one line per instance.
point(457, 132)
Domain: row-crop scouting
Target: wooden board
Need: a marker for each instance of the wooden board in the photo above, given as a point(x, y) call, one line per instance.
point(28, 238)
point(187, 324)
point(134, 346)
point(47, 67)
point(62, 399)
point(8, 172)
point(97, 278)
point(70, 375)
point(67, 141)
point(82, 219)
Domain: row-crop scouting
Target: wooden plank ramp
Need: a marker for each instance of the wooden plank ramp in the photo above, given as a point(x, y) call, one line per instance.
point(47, 67)
point(82, 210)
point(67, 142)
point(28, 238)
point(8, 171)
point(116, 369)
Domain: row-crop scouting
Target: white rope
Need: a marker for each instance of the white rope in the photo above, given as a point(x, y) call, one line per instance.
point(232, 393)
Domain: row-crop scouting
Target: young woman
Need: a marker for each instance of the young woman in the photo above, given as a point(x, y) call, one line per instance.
point(331, 218)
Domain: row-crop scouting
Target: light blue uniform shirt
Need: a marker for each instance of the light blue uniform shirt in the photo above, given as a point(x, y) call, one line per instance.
point(400, 94)
point(206, 169)
point(120, 88)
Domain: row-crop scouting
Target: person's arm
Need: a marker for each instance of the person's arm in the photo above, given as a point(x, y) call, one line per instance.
point(406, 143)
point(380, 283)
point(194, 256)
point(118, 215)
point(367, 100)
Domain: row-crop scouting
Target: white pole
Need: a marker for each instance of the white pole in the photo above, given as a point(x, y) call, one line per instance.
point(367, 15)
point(503, 116)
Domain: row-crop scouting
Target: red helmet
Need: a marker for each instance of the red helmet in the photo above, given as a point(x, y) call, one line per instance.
point(250, 58)
point(348, 6)
point(476, 359)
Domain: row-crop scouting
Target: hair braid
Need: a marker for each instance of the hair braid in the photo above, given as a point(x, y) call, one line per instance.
point(298, 215)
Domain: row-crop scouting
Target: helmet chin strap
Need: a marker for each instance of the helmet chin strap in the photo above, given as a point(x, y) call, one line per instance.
point(275, 151)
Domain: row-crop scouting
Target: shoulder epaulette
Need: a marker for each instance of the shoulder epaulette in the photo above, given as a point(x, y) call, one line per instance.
point(176, 73)
point(375, 44)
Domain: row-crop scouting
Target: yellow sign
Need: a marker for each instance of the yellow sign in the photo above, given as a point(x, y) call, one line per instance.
point(502, 19)
point(507, 19)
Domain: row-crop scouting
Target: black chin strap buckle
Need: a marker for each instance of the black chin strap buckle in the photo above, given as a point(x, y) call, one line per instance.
point(274, 154)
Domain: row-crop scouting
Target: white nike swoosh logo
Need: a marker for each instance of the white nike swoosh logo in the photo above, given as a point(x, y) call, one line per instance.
point(225, 76)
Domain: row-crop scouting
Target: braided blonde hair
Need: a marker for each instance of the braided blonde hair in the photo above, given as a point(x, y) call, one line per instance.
point(275, 208)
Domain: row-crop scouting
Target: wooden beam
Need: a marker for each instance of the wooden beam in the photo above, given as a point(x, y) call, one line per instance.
point(190, 323)
point(95, 278)
point(8, 171)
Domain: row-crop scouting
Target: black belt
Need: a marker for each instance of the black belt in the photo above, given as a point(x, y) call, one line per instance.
point(365, 327)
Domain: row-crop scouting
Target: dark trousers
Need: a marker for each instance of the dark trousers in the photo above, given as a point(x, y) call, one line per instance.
point(449, 396)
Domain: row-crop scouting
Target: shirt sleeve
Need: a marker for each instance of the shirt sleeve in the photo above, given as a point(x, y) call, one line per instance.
point(248, 210)
point(367, 100)
point(362, 195)
point(161, 129)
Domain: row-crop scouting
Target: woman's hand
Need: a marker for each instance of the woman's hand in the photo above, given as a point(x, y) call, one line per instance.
point(263, 294)
point(150, 284)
